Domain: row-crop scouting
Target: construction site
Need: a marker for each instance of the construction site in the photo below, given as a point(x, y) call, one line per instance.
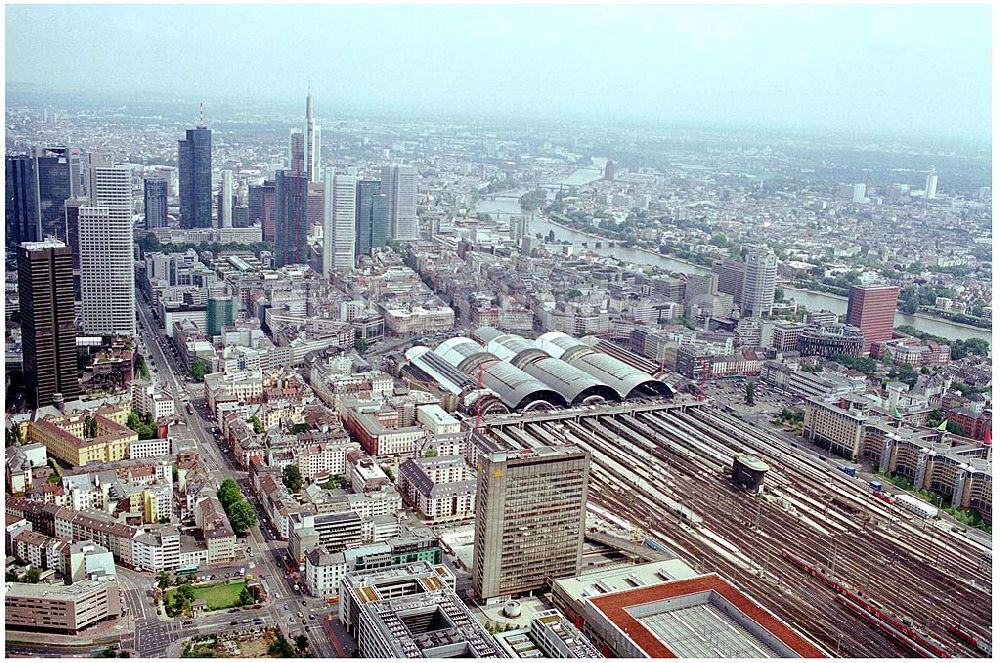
point(856, 574)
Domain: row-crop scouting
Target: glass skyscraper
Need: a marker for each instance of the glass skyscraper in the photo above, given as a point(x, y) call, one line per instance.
point(291, 225)
point(194, 170)
point(372, 222)
point(22, 220)
point(155, 198)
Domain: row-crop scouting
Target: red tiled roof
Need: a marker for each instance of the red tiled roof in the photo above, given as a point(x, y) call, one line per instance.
point(614, 607)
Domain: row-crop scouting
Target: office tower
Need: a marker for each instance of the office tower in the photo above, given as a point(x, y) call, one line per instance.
point(220, 312)
point(530, 518)
point(399, 183)
point(757, 295)
point(859, 192)
point(731, 273)
point(48, 327)
point(291, 229)
point(518, 228)
point(72, 207)
point(930, 188)
point(311, 140)
point(154, 192)
point(241, 216)
point(609, 171)
point(339, 217)
point(872, 309)
point(23, 223)
point(57, 170)
point(226, 200)
point(107, 278)
point(314, 206)
point(700, 284)
point(372, 224)
point(194, 168)
point(296, 152)
point(262, 208)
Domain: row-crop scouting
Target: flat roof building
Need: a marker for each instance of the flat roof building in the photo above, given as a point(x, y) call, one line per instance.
point(60, 608)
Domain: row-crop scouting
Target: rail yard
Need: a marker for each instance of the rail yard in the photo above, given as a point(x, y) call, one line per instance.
point(665, 469)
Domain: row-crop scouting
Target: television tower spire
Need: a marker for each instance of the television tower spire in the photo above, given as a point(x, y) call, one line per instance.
point(201, 114)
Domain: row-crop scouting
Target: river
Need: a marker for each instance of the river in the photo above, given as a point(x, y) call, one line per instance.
point(507, 205)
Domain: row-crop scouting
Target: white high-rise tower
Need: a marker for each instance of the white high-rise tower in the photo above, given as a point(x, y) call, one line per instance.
point(930, 189)
point(339, 234)
point(107, 273)
point(399, 183)
point(226, 193)
point(311, 138)
point(759, 281)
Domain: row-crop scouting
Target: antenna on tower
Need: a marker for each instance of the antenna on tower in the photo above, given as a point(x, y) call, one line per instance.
point(201, 113)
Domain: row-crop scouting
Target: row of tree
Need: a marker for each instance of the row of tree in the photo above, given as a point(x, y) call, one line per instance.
point(241, 515)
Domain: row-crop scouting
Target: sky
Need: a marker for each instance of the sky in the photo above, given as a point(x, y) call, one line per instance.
point(897, 69)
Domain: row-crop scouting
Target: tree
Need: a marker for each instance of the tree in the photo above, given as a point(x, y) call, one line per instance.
point(552, 235)
point(257, 426)
point(360, 346)
point(955, 428)
point(430, 453)
point(33, 575)
point(229, 492)
point(186, 591)
point(301, 642)
point(533, 199)
point(10, 576)
point(291, 476)
point(573, 294)
point(908, 374)
point(246, 598)
point(199, 368)
point(779, 295)
point(163, 579)
point(280, 647)
point(749, 396)
point(241, 516)
point(301, 428)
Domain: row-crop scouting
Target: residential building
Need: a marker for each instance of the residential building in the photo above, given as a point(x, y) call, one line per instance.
point(438, 488)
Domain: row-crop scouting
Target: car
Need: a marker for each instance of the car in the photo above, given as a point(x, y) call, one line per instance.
point(233, 623)
point(284, 607)
point(299, 613)
point(291, 620)
point(258, 621)
point(312, 617)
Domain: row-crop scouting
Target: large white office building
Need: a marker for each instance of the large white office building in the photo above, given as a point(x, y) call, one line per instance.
point(339, 236)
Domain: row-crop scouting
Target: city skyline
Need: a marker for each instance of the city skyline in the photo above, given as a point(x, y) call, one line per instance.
point(811, 68)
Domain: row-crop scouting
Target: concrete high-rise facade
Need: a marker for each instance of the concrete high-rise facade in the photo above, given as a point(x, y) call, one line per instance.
point(311, 143)
point(73, 206)
point(291, 226)
point(339, 217)
point(530, 519)
point(226, 200)
point(930, 187)
point(731, 274)
point(194, 169)
point(860, 191)
point(872, 309)
point(23, 223)
point(399, 183)
point(48, 325)
point(262, 208)
point(154, 192)
point(107, 277)
point(759, 280)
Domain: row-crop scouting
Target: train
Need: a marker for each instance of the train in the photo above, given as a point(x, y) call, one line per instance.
point(961, 634)
point(901, 632)
point(849, 470)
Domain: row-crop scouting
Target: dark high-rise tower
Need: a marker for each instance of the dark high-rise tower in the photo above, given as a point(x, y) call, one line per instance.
point(371, 226)
point(296, 151)
point(73, 206)
point(48, 328)
point(194, 170)
point(291, 223)
point(57, 170)
point(872, 309)
point(23, 223)
point(262, 208)
point(155, 197)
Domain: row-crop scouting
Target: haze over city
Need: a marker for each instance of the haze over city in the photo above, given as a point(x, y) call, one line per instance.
point(907, 70)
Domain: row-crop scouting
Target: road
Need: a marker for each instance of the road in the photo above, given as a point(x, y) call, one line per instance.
point(264, 554)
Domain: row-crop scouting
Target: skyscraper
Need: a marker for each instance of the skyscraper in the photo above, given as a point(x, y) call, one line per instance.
point(339, 217)
point(859, 192)
point(371, 225)
point(872, 309)
point(262, 208)
point(291, 246)
point(194, 169)
point(731, 274)
point(757, 295)
point(57, 170)
point(226, 200)
point(930, 188)
point(107, 277)
point(48, 327)
point(23, 223)
point(311, 139)
point(73, 206)
point(154, 192)
point(399, 183)
point(530, 519)
point(296, 152)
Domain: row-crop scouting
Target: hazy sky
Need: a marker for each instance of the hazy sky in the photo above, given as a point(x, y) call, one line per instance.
point(911, 69)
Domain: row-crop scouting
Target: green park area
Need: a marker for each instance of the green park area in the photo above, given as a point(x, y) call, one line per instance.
point(220, 595)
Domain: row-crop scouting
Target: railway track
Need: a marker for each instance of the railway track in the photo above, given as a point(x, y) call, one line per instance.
point(666, 472)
